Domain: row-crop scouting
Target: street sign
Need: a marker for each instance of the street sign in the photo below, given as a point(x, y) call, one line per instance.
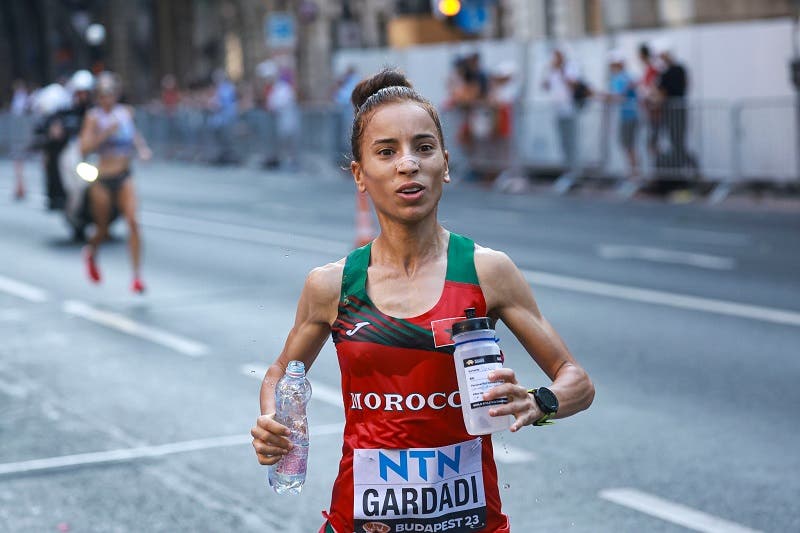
point(280, 31)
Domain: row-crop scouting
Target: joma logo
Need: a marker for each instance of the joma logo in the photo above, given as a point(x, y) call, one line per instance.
point(351, 332)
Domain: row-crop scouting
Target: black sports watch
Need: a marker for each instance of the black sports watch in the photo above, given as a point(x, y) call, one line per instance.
point(547, 402)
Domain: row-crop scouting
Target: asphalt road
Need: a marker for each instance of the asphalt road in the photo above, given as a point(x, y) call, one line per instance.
point(132, 413)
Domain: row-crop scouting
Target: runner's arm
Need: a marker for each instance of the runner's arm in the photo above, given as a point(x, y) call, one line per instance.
point(142, 148)
point(510, 299)
point(316, 312)
point(86, 139)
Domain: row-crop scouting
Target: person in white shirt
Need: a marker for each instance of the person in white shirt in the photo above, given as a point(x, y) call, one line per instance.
point(280, 99)
point(561, 81)
point(20, 105)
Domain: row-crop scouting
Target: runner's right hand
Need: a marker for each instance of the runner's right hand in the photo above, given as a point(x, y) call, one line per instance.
point(270, 439)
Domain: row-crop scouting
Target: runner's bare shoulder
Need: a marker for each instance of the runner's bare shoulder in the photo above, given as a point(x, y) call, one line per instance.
point(491, 264)
point(499, 277)
point(323, 287)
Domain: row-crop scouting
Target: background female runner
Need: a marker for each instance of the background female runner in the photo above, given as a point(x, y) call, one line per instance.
point(109, 130)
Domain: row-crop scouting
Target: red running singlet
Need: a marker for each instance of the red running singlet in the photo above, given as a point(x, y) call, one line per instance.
point(408, 463)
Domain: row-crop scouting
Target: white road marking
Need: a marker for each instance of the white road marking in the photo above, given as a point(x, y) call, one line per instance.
point(661, 255)
point(695, 303)
point(327, 394)
point(141, 452)
point(242, 233)
point(707, 236)
point(121, 455)
point(126, 325)
point(670, 299)
point(15, 390)
point(672, 512)
point(503, 453)
point(319, 391)
point(23, 290)
point(10, 315)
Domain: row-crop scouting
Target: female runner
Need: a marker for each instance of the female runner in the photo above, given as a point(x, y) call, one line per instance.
point(109, 130)
point(408, 463)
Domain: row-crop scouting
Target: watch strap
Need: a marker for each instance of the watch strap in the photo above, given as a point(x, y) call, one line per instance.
point(545, 419)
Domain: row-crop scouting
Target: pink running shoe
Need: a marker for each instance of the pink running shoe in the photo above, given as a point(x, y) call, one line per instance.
point(137, 286)
point(91, 265)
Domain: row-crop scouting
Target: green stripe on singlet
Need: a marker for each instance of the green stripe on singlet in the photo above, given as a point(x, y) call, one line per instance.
point(329, 528)
point(461, 260)
point(354, 277)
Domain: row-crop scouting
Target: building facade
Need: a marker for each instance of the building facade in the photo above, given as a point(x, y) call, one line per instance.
point(563, 19)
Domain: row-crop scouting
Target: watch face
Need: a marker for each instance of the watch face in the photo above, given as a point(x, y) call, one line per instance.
point(547, 400)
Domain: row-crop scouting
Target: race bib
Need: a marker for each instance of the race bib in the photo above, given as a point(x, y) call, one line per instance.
point(419, 489)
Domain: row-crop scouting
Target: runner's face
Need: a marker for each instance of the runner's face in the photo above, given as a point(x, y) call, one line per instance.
point(403, 164)
point(106, 99)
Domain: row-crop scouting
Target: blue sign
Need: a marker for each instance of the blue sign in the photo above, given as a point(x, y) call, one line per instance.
point(279, 30)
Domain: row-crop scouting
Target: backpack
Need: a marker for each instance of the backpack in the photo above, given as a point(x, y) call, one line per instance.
point(580, 93)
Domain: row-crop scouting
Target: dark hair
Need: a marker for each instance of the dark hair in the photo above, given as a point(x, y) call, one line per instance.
point(644, 50)
point(386, 87)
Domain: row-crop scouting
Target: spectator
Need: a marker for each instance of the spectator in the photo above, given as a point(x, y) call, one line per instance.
point(673, 85)
point(20, 106)
point(469, 87)
point(20, 99)
point(475, 74)
point(504, 89)
point(170, 95)
point(224, 113)
point(650, 98)
point(622, 94)
point(170, 100)
point(345, 84)
point(280, 100)
point(561, 81)
point(457, 84)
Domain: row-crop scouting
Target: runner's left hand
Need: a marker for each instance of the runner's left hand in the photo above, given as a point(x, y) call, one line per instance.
point(520, 404)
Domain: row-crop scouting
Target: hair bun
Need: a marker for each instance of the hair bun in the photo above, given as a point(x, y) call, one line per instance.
point(387, 77)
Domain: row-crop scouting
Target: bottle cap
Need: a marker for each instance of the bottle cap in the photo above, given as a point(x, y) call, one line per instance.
point(296, 369)
point(472, 323)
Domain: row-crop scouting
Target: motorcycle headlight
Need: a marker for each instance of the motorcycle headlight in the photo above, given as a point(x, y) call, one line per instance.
point(86, 171)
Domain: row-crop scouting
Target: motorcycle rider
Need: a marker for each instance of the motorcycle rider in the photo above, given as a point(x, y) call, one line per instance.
point(50, 138)
point(81, 85)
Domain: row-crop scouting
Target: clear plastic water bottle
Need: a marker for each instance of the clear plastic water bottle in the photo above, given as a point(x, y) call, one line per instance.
point(291, 398)
point(476, 354)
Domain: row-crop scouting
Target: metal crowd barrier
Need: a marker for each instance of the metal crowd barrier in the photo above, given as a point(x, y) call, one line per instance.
point(254, 136)
point(15, 134)
point(720, 143)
